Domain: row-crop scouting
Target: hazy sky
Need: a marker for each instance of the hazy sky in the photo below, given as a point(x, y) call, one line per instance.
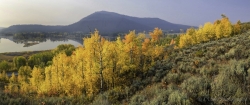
point(64, 12)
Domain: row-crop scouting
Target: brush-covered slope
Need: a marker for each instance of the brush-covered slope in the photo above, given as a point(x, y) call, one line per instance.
point(216, 72)
point(1, 28)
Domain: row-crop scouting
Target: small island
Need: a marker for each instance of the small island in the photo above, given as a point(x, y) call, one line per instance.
point(30, 44)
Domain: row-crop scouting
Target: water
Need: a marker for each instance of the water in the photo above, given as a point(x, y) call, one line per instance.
point(7, 45)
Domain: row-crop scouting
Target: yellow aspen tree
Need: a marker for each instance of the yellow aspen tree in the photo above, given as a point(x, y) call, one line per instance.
point(66, 75)
point(138, 54)
point(48, 86)
point(145, 45)
point(185, 40)
point(129, 54)
point(70, 86)
point(226, 27)
point(24, 74)
point(13, 79)
point(218, 29)
point(56, 71)
point(61, 64)
point(111, 71)
point(157, 51)
point(191, 32)
point(13, 85)
point(223, 27)
point(4, 76)
point(37, 79)
point(130, 44)
point(131, 48)
point(94, 46)
point(237, 28)
point(55, 76)
point(172, 42)
point(78, 70)
point(156, 34)
point(123, 61)
point(128, 51)
point(199, 35)
point(182, 42)
point(58, 76)
point(147, 50)
point(209, 31)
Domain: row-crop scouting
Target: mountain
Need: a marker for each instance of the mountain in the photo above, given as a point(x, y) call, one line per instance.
point(1, 28)
point(105, 22)
point(31, 28)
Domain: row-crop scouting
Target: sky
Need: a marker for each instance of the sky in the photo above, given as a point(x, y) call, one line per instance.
point(65, 12)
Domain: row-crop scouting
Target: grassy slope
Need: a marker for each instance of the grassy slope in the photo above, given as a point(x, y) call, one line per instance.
point(193, 61)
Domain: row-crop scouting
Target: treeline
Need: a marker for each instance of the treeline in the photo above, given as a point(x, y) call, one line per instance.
point(219, 29)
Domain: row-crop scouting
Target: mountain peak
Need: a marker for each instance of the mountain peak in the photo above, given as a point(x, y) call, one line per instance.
point(106, 22)
point(105, 12)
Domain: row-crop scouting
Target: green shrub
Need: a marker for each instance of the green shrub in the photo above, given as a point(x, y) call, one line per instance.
point(4, 66)
point(196, 88)
point(101, 100)
point(150, 95)
point(227, 83)
point(171, 78)
point(178, 98)
point(199, 53)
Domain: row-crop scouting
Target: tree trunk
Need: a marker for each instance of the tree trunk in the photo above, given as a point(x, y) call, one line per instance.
point(101, 69)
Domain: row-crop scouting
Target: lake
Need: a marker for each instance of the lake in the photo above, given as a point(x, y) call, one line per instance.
point(7, 45)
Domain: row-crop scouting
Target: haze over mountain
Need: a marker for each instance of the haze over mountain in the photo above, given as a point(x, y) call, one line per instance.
point(1, 28)
point(105, 22)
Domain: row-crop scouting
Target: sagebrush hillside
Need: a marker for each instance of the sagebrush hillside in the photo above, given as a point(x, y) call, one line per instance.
point(215, 72)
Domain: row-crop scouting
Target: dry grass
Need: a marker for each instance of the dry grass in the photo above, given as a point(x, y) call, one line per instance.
point(5, 57)
point(10, 55)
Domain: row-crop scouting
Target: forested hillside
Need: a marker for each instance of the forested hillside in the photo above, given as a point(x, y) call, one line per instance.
point(209, 65)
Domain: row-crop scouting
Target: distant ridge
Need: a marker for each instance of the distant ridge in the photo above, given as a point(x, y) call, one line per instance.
point(1, 28)
point(105, 22)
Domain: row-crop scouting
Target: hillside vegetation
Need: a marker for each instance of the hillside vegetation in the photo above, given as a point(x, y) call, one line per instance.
point(137, 70)
point(216, 72)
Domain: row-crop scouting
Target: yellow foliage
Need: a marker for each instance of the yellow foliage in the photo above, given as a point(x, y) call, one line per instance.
point(37, 79)
point(129, 38)
point(209, 31)
point(172, 42)
point(13, 78)
point(185, 40)
point(237, 28)
point(145, 44)
point(156, 34)
point(4, 76)
point(220, 28)
point(96, 66)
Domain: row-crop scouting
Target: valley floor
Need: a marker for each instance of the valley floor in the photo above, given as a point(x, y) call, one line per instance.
point(8, 56)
